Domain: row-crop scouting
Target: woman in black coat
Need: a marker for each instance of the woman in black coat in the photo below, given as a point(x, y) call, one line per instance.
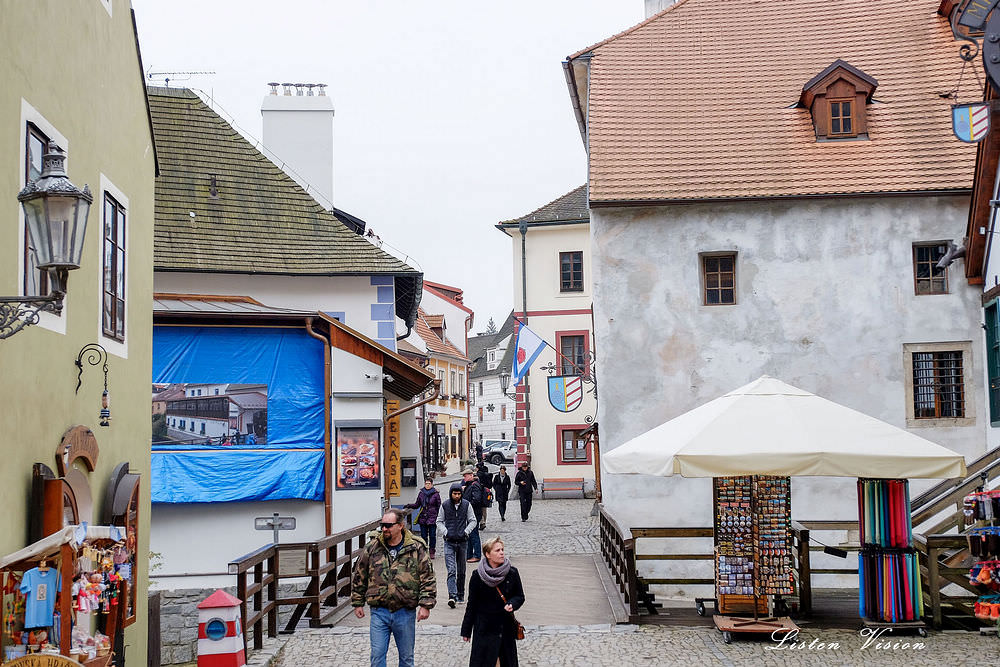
point(489, 616)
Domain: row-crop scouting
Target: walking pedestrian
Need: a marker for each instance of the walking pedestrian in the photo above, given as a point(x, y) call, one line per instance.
point(501, 489)
point(473, 491)
point(495, 593)
point(526, 485)
point(479, 452)
point(428, 503)
point(483, 475)
point(456, 521)
point(394, 575)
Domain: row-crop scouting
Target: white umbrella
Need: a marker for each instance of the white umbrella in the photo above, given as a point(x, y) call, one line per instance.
point(769, 427)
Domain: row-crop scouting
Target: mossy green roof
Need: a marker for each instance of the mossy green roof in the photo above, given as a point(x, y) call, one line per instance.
point(257, 219)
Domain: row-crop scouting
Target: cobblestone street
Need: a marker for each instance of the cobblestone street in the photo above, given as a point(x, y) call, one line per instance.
point(561, 528)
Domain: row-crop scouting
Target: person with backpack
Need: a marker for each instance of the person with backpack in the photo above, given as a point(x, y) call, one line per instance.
point(473, 491)
point(428, 503)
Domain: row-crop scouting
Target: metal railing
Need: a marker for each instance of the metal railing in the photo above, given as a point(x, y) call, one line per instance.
point(327, 563)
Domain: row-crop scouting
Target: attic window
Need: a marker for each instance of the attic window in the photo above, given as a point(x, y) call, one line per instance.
point(837, 99)
point(840, 118)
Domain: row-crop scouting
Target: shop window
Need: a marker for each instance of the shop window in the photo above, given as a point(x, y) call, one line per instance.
point(927, 278)
point(718, 272)
point(993, 360)
point(114, 269)
point(36, 281)
point(938, 384)
point(574, 351)
point(573, 447)
point(571, 271)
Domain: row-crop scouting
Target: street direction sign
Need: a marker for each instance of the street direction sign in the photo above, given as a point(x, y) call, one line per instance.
point(274, 523)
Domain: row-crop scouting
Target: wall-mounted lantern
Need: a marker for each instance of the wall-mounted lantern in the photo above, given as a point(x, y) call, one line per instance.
point(55, 213)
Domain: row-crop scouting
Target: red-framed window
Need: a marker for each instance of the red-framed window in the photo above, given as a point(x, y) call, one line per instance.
point(571, 447)
point(503, 412)
point(574, 352)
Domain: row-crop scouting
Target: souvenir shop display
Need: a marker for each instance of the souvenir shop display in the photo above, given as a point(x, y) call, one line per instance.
point(888, 567)
point(753, 551)
point(64, 595)
point(982, 511)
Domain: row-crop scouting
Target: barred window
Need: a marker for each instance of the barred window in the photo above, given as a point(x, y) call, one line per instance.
point(938, 389)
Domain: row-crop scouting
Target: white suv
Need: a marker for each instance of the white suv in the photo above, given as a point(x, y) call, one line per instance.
point(499, 451)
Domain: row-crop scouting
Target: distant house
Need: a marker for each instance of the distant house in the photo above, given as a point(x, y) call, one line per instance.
point(553, 294)
point(492, 411)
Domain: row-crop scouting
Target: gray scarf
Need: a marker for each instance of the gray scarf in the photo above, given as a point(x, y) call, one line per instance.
point(492, 576)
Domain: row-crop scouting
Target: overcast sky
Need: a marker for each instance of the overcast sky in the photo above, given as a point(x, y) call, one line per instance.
point(450, 115)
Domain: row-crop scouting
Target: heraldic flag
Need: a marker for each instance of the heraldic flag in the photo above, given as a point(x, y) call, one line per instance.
point(526, 350)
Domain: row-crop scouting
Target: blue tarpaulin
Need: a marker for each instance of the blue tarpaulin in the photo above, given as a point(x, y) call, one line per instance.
point(290, 464)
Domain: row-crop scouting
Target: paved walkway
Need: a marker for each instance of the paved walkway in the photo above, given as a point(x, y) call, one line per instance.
point(569, 622)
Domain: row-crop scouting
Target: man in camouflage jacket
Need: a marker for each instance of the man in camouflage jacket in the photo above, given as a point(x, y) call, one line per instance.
point(394, 575)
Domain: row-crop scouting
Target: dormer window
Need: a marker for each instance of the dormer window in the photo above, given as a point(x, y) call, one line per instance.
point(841, 124)
point(837, 99)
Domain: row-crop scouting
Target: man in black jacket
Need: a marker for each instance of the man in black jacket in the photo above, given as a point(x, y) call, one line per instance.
point(473, 491)
point(455, 522)
point(501, 489)
point(526, 485)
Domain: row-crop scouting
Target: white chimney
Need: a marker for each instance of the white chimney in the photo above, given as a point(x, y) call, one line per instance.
point(298, 133)
point(657, 6)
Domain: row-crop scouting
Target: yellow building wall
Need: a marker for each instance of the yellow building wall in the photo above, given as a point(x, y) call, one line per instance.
point(452, 410)
point(74, 67)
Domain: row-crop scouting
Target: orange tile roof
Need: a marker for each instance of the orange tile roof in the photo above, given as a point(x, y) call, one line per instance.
point(698, 102)
point(434, 343)
point(434, 321)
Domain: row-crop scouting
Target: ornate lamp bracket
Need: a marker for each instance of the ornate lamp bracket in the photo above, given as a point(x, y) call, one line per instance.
point(94, 354)
point(17, 312)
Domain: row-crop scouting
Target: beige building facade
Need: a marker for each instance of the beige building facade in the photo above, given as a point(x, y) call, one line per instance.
point(72, 76)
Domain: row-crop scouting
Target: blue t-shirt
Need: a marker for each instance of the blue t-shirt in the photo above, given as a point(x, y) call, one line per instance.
point(40, 589)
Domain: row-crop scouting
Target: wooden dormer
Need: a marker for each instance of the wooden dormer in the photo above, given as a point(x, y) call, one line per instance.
point(837, 99)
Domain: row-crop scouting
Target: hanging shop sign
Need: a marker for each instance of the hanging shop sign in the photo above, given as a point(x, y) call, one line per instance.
point(565, 392)
point(393, 468)
point(974, 15)
point(970, 122)
point(357, 458)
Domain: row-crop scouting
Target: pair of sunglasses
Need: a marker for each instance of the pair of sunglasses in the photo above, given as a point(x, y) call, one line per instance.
point(386, 526)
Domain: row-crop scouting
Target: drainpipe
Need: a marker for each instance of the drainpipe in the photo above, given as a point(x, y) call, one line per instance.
point(327, 452)
point(522, 227)
point(468, 384)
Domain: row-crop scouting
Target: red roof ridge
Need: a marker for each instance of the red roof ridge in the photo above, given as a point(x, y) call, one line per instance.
point(436, 289)
point(627, 30)
point(219, 598)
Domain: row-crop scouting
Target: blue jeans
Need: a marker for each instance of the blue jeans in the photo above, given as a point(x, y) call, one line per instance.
point(475, 544)
point(454, 562)
point(401, 624)
point(429, 534)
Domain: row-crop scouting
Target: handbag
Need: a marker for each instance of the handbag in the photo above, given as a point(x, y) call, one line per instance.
point(518, 628)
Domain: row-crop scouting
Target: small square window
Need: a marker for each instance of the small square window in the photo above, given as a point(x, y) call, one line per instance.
point(719, 276)
point(928, 279)
point(571, 271)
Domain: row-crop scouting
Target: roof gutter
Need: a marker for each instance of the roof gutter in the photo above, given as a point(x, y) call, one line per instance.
point(623, 203)
point(574, 97)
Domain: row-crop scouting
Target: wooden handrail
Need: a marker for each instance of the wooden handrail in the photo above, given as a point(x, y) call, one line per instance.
point(972, 469)
point(954, 495)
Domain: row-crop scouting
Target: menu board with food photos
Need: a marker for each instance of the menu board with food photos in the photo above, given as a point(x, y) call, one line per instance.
point(357, 458)
point(752, 538)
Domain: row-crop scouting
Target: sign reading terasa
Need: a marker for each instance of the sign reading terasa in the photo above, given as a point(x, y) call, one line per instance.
point(393, 468)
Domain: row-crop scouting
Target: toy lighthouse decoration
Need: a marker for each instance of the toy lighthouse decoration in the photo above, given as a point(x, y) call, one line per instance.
point(220, 633)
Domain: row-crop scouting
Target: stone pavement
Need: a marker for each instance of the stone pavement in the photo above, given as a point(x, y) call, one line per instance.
point(569, 624)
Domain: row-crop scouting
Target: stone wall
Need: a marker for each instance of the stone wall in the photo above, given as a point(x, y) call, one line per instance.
point(179, 620)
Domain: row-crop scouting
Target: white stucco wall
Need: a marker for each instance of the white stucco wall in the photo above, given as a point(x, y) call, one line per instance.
point(198, 540)
point(351, 295)
point(555, 311)
point(492, 427)
point(454, 318)
point(825, 302)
